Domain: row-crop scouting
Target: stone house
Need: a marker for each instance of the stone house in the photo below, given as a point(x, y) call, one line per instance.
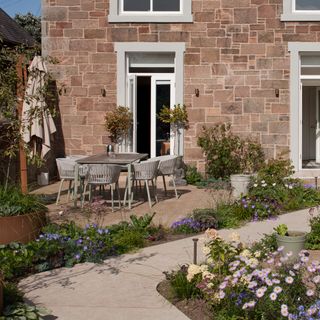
point(254, 63)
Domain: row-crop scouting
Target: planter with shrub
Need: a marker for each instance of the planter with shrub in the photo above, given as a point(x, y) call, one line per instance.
point(228, 155)
point(292, 242)
point(21, 216)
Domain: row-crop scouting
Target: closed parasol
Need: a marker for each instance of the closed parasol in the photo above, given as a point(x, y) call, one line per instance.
point(38, 124)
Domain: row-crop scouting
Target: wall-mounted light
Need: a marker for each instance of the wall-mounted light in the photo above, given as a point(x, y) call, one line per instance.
point(103, 92)
point(197, 92)
point(277, 93)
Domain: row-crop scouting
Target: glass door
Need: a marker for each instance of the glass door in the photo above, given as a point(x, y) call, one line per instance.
point(162, 94)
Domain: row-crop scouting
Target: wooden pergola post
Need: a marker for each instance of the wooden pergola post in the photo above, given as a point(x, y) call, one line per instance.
point(22, 76)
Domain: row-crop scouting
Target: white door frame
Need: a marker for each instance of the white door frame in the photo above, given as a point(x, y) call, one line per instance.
point(165, 78)
point(124, 48)
point(296, 49)
point(317, 125)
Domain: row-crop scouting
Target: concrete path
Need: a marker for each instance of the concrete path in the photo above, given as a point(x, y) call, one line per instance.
point(124, 288)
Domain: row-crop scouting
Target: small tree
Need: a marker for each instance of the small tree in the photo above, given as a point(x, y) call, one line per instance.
point(177, 117)
point(118, 123)
point(31, 23)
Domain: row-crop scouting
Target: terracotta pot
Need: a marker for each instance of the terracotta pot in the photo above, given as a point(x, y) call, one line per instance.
point(22, 228)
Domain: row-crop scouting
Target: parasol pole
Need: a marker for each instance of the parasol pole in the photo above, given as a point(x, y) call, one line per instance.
point(22, 74)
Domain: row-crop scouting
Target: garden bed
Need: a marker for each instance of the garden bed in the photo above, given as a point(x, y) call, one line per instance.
point(196, 309)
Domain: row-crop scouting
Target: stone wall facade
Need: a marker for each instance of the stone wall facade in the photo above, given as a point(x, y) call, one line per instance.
point(237, 56)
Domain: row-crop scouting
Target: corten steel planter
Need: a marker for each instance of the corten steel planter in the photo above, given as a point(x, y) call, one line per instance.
point(294, 242)
point(1, 294)
point(22, 228)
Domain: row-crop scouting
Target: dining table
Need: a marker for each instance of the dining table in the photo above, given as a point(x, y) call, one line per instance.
point(121, 159)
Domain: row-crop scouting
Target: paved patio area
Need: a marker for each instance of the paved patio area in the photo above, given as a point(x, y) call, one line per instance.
point(124, 288)
point(168, 209)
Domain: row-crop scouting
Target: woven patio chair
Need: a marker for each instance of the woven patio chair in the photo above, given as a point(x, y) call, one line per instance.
point(167, 167)
point(101, 175)
point(66, 170)
point(145, 171)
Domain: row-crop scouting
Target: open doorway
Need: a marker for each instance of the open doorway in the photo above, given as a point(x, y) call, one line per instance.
point(310, 127)
point(143, 114)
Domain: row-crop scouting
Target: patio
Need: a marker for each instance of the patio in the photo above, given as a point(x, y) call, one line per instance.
point(168, 209)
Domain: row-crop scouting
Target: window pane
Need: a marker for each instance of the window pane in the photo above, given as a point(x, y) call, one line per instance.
point(136, 5)
point(166, 5)
point(307, 5)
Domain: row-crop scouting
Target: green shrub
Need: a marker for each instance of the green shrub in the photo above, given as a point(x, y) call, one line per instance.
point(192, 175)
point(128, 240)
point(13, 202)
point(206, 217)
point(24, 312)
point(228, 154)
point(313, 237)
point(181, 287)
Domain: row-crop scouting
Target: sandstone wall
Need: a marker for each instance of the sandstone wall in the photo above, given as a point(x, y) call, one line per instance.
point(236, 56)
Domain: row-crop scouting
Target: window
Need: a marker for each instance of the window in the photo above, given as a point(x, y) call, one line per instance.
point(158, 11)
point(301, 10)
point(307, 5)
point(151, 5)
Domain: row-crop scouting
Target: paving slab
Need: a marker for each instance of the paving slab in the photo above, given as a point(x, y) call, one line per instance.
point(124, 287)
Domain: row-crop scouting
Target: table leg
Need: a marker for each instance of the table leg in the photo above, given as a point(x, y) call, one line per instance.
point(129, 185)
point(76, 180)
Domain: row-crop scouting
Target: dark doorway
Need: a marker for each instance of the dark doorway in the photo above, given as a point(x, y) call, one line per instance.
point(144, 115)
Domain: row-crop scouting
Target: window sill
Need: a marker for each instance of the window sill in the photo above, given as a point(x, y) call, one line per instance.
point(150, 19)
point(300, 17)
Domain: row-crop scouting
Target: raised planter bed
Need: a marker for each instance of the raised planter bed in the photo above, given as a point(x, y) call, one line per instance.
point(22, 228)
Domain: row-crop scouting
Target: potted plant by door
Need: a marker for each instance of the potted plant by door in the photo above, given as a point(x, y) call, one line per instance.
point(177, 117)
point(119, 123)
point(290, 241)
point(21, 216)
point(250, 157)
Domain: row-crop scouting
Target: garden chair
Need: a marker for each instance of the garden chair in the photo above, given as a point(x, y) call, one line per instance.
point(167, 167)
point(101, 175)
point(145, 171)
point(66, 170)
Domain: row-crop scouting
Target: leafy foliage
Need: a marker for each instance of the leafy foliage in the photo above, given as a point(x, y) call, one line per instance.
point(31, 23)
point(118, 123)
point(313, 238)
point(192, 175)
point(227, 153)
point(13, 202)
point(177, 116)
point(23, 311)
point(67, 245)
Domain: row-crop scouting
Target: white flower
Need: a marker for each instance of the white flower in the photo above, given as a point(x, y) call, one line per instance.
point(221, 294)
point(193, 269)
point(310, 293)
point(273, 296)
point(257, 254)
point(212, 234)
point(255, 185)
point(274, 184)
point(260, 293)
point(251, 304)
point(206, 250)
point(252, 284)
point(277, 289)
point(284, 310)
point(245, 253)
point(316, 279)
point(289, 280)
point(263, 181)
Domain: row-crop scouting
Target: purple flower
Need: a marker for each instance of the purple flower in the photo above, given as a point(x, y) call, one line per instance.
point(77, 256)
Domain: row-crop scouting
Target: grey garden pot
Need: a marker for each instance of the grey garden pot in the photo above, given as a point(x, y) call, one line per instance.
point(239, 184)
point(294, 242)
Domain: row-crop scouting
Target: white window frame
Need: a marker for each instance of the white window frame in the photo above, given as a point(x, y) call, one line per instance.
point(291, 14)
point(296, 49)
point(116, 14)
